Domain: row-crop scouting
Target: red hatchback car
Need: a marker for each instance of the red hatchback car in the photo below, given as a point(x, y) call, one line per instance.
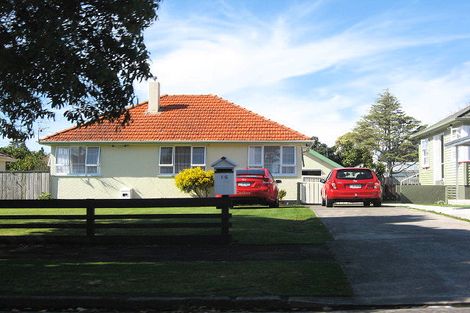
point(351, 185)
point(258, 183)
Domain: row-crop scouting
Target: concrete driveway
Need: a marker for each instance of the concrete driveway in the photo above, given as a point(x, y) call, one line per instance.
point(396, 255)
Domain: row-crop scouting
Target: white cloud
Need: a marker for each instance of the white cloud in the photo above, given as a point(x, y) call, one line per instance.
point(432, 99)
point(209, 55)
point(248, 60)
point(313, 117)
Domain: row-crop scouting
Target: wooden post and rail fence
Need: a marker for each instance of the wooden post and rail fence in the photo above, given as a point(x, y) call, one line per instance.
point(90, 222)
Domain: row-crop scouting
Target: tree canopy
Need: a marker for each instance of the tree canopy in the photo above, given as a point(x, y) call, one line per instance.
point(381, 138)
point(80, 55)
point(323, 149)
point(26, 160)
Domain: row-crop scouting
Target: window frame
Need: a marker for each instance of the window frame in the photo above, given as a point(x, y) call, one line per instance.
point(425, 153)
point(173, 152)
point(281, 165)
point(192, 155)
point(69, 166)
point(455, 132)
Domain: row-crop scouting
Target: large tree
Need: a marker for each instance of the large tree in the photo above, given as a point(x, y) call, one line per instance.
point(351, 152)
point(82, 55)
point(382, 137)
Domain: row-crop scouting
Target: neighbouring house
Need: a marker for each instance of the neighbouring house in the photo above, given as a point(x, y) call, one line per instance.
point(444, 155)
point(316, 164)
point(166, 135)
point(4, 159)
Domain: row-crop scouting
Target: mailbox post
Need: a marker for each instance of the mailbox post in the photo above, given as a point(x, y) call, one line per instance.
point(224, 184)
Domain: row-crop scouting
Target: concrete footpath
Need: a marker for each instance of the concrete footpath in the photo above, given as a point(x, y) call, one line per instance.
point(458, 212)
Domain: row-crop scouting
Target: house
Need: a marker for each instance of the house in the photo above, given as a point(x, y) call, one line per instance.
point(167, 134)
point(4, 159)
point(316, 164)
point(444, 155)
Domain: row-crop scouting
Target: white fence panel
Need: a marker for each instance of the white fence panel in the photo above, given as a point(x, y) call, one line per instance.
point(310, 192)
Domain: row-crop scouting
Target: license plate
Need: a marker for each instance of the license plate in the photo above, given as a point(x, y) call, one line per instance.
point(355, 186)
point(244, 184)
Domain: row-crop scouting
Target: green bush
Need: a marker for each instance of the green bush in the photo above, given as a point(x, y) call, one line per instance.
point(195, 181)
point(45, 196)
point(282, 193)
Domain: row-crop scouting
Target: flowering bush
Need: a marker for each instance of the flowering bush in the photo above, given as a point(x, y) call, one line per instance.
point(195, 181)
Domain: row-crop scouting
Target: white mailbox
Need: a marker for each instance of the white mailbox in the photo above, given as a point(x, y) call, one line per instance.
point(224, 176)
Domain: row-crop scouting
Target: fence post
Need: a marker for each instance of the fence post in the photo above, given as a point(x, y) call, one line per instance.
point(226, 218)
point(90, 222)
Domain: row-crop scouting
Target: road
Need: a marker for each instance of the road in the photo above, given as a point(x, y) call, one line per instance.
point(396, 255)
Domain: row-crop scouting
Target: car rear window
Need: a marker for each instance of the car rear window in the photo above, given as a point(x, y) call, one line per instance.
point(354, 174)
point(250, 172)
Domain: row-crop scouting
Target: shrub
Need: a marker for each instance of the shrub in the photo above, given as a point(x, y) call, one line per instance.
point(195, 181)
point(45, 196)
point(282, 193)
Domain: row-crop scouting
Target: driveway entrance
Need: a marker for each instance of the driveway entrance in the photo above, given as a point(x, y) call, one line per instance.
point(400, 256)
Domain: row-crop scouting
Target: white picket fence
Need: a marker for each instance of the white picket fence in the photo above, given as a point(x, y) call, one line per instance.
point(23, 185)
point(310, 190)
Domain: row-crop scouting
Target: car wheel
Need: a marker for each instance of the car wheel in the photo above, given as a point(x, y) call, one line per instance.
point(366, 203)
point(274, 204)
point(323, 202)
point(329, 203)
point(377, 203)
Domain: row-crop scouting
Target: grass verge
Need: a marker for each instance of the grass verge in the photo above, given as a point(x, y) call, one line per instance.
point(33, 274)
point(252, 278)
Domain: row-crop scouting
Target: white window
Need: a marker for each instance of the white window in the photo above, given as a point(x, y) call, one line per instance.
point(175, 159)
point(280, 160)
point(255, 156)
point(198, 157)
point(424, 153)
point(166, 160)
point(459, 132)
point(455, 133)
point(79, 161)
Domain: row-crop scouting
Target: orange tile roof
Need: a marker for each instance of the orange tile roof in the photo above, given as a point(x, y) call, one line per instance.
point(184, 118)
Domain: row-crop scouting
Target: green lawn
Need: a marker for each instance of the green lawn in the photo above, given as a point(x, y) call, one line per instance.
point(248, 278)
point(249, 225)
point(46, 274)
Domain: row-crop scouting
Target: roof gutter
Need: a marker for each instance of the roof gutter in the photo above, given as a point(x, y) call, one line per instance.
point(438, 128)
point(171, 141)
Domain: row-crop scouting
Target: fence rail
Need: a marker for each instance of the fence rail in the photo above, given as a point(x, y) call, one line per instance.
point(23, 185)
point(88, 220)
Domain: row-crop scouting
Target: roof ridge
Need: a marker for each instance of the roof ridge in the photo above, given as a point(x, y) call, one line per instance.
point(263, 117)
point(179, 123)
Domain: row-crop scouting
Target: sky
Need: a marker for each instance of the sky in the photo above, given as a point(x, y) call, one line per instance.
point(315, 66)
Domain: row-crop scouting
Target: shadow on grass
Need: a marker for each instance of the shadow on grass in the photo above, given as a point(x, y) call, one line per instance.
point(277, 252)
point(250, 225)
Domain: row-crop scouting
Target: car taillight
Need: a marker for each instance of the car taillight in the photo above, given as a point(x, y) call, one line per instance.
point(266, 181)
point(373, 186)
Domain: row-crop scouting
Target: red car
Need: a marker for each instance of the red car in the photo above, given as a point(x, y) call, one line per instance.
point(351, 185)
point(258, 183)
